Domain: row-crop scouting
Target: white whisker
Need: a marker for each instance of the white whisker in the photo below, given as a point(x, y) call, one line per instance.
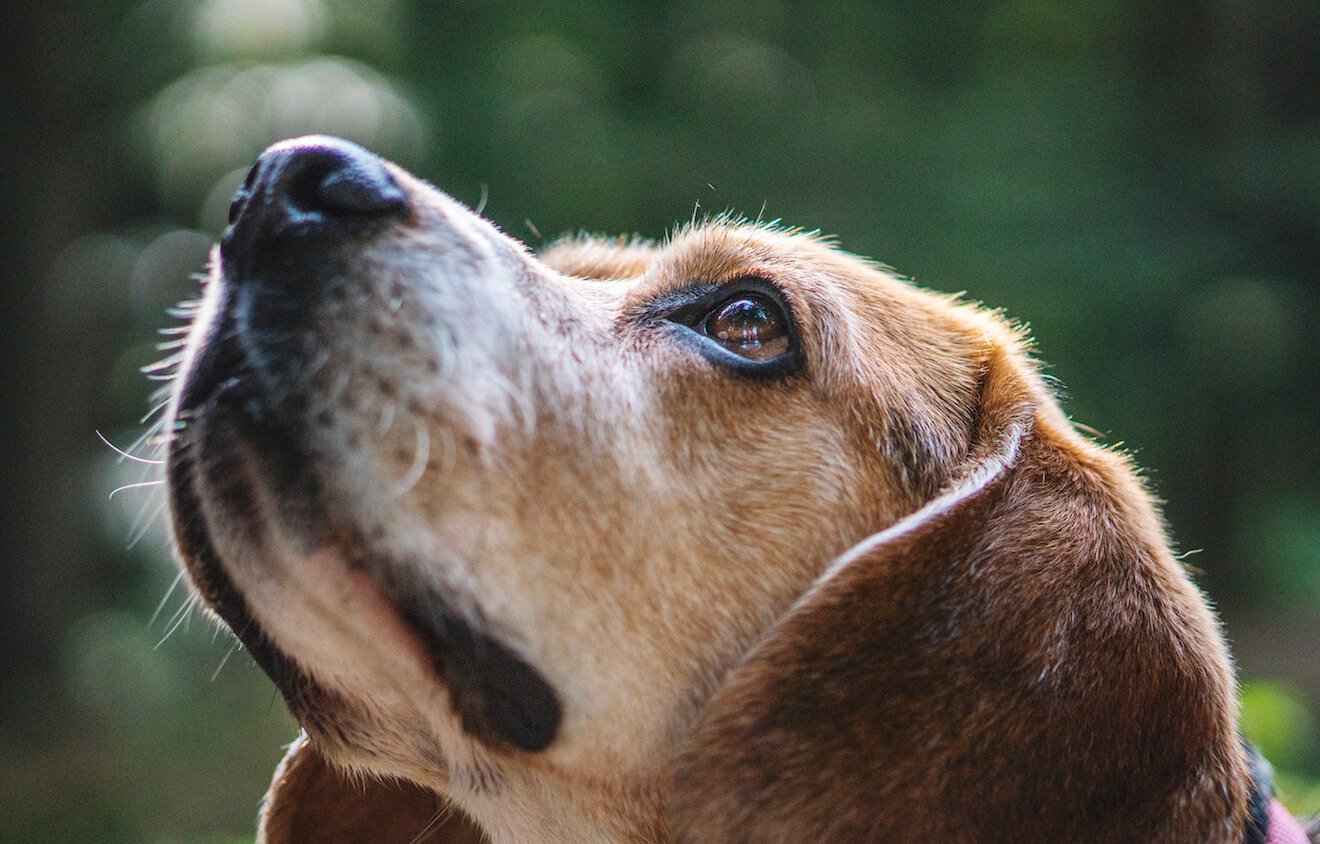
point(318, 363)
point(386, 418)
point(142, 525)
point(125, 455)
point(186, 309)
point(141, 485)
point(164, 363)
point(178, 618)
point(336, 393)
point(178, 578)
point(444, 812)
point(147, 435)
point(228, 654)
point(154, 410)
point(421, 455)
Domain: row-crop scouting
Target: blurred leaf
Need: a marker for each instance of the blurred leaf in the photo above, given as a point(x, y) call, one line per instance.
point(1275, 719)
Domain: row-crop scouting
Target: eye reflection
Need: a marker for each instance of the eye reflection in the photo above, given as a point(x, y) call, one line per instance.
point(750, 325)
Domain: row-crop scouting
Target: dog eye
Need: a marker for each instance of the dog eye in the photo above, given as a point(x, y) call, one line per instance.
point(751, 325)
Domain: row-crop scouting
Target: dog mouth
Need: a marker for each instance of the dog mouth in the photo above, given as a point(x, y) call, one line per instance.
point(234, 449)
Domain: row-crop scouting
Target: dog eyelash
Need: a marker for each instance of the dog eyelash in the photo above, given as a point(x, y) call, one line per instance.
point(691, 310)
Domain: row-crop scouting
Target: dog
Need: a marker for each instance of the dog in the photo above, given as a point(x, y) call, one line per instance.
point(735, 537)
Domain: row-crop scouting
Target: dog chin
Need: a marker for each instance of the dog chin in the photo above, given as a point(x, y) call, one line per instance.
point(298, 587)
point(300, 579)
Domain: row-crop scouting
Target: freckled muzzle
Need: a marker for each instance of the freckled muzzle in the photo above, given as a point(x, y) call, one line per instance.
point(304, 214)
point(307, 206)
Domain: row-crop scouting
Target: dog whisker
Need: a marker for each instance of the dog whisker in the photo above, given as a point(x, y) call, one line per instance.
point(314, 367)
point(147, 516)
point(157, 408)
point(125, 455)
point(235, 646)
point(421, 456)
point(336, 393)
point(139, 485)
point(179, 617)
point(178, 578)
point(386, 420)
point(147, 435)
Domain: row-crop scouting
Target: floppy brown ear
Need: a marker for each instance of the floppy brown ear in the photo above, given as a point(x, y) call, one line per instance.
point(311, 800)
point(587, 256)
point(1021, 659)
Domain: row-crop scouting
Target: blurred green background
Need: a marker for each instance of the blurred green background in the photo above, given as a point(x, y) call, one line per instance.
point(1139, 181)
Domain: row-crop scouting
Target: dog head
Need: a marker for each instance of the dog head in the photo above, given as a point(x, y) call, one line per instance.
point(732, 536)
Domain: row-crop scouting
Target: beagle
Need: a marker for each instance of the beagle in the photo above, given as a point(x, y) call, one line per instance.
point(736, 537)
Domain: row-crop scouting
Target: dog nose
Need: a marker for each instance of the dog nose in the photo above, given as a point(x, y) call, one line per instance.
point(311, 185)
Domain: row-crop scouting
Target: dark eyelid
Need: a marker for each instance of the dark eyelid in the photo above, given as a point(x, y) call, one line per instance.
point(676, 302)
point(683, 310)
point(689, 304)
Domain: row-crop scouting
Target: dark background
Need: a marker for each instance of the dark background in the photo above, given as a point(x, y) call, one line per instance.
point(1140, 181)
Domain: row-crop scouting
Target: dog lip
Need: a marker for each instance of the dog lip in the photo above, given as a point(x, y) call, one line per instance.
point(207, 574)
point(498, 696)
point(223, 366)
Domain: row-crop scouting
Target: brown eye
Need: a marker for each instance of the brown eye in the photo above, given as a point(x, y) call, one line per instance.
point(750, 325)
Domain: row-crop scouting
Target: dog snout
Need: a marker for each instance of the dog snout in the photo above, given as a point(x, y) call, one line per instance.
point(306, 191)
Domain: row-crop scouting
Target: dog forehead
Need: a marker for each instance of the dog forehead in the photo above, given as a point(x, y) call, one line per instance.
point(710, 251)
point(854, 314)
point(600, 258)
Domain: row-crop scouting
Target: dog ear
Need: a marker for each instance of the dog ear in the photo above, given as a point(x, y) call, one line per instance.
point(1020, 659)
point(586, 256)
point(310, 800)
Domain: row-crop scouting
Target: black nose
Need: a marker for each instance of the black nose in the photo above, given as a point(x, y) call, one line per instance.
point(310, 186)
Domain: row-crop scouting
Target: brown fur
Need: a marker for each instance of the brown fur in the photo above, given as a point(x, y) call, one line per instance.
point(1031, 666)
point(313, 802)
point(895, 596)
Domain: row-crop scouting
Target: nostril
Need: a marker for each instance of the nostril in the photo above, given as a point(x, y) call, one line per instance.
point(361, 190)
point(302, 180)
point(313, 189)
point(243, 194)
point(341, 181)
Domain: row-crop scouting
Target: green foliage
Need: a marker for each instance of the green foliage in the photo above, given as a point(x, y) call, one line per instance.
point(1279, 722)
